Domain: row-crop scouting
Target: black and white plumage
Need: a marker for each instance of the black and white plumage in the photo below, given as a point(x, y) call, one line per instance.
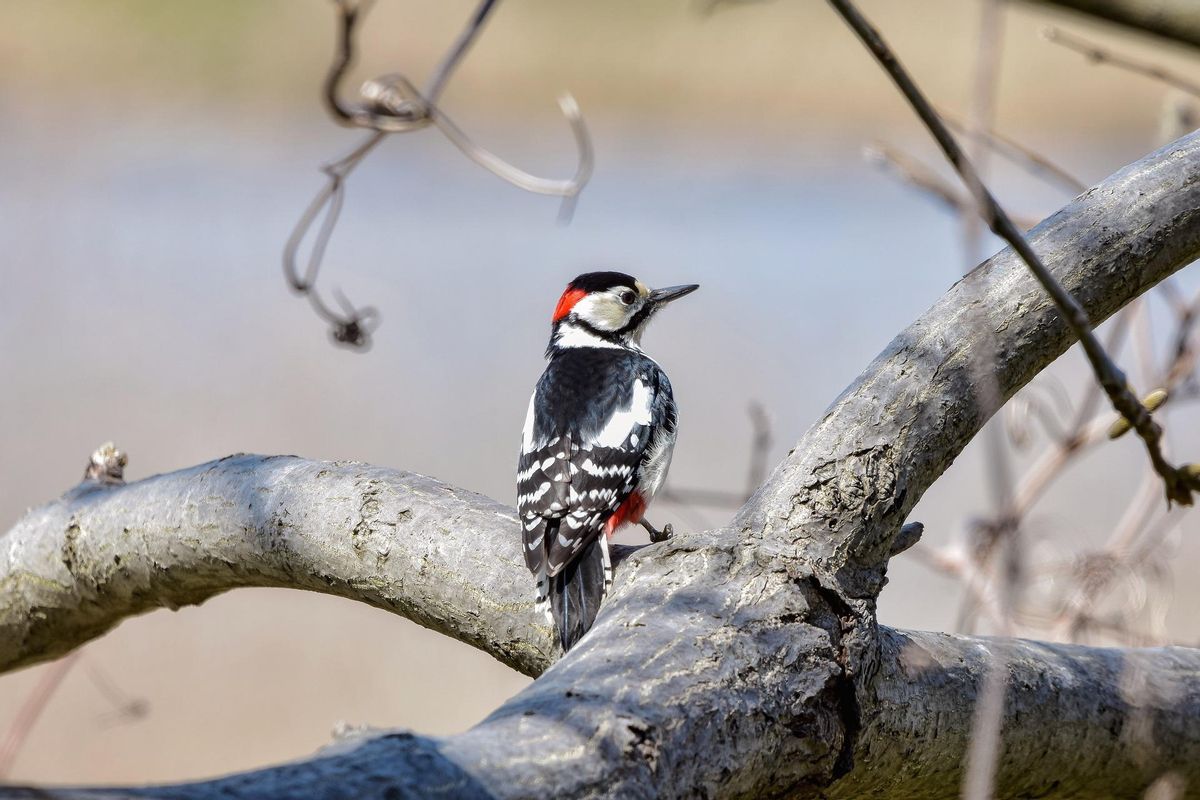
point(597, 442)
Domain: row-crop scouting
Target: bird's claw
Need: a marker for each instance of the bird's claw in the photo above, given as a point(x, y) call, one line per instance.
point(661, 536)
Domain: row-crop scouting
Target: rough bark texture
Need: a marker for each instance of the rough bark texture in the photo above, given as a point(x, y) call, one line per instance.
point(441, 556)
point(1172, 19)
point(745, 661)
point(1079, 721)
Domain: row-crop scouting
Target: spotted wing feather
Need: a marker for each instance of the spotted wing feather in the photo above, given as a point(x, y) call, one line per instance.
point(587, 436)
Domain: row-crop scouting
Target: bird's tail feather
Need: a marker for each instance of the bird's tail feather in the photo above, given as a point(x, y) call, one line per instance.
point(575, 594)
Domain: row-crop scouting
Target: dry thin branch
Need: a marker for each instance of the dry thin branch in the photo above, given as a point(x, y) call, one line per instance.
point(1101, 55)
point(760, 450)
point(29, 712)
point(1179, 483)
point(1025, 157)
point(912, 172)
point(1173, 19)
point(392, 104)
point(1127, 563)
point(988, 717)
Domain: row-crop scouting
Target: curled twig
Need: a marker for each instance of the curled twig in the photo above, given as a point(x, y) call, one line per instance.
point(392, 104)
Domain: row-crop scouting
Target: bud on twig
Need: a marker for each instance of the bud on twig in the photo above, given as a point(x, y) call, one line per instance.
point(1151, 403)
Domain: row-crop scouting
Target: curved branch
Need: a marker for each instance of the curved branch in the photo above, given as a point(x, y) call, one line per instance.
point(443, 557)
point(746, 662)
point(1079, 722)
point(859, 470)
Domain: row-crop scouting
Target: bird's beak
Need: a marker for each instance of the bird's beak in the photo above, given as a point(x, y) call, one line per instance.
point(661, 297)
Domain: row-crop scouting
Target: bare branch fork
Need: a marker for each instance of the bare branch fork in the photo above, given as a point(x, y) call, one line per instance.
point(392, 104)
point(1178, 482)
point(760, 667)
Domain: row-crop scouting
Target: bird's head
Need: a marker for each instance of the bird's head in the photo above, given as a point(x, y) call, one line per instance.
point(610, 306)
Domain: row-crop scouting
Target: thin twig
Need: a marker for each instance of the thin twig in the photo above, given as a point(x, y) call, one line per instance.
point(441, 75)
point(125, 707)
point(912, 172)
point(1178, 483)
point(1099, 55)
point(1025, 157)
point(760, 447)
point(35, 703)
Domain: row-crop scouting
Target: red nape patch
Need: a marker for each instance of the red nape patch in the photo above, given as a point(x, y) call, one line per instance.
point(629, 511)
point(567, 302)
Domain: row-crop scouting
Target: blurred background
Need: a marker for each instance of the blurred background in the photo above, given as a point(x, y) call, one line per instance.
point(156, 156)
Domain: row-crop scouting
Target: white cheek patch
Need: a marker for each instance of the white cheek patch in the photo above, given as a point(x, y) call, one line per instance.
point(617, 429)
point(601, 311)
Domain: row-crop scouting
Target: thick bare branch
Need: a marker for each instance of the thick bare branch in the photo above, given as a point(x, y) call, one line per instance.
point(1097, 249)
point(443, 557)
point(741, 662)
point(1077, 721)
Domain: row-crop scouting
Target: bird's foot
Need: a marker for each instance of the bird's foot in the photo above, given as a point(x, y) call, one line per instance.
point(656, 535)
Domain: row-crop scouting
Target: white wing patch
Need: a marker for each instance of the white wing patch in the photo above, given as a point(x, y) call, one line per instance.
point(621, 423)
point(655, 465)
point(527, 433)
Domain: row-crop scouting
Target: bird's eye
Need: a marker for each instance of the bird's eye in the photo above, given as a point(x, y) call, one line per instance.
point(628, 297)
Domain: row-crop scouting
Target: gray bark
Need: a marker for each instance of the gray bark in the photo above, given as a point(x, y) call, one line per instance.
point(734, 663)
point(1173, 19)
point(441, 556)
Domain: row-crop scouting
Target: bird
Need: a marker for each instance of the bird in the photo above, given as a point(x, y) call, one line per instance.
point(597, 443)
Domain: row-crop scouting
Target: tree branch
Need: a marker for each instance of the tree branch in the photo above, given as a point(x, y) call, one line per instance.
point(1173, 19)
point(1178, 482)
point(1077, 721)
point(443, 557)
point(740, 662)
point(1100, 55)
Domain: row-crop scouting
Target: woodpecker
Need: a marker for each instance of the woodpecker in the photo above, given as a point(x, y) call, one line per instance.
point(597, 443)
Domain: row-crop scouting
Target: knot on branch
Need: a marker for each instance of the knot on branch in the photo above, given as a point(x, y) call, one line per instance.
point(106, 465)
point(389, 103)
point(355, 330)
